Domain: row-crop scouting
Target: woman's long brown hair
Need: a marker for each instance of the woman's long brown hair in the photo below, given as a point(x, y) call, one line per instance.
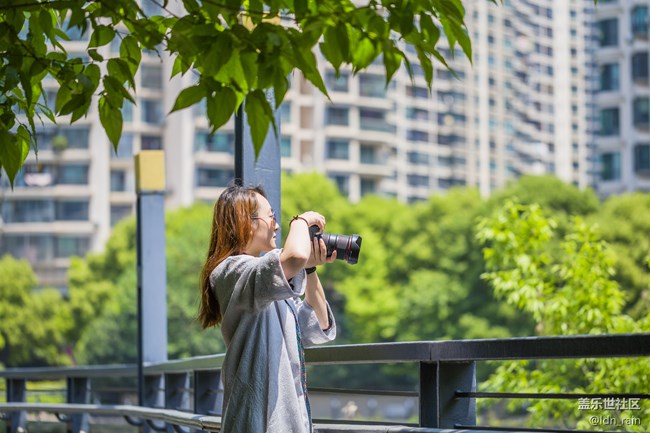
point(231, 232)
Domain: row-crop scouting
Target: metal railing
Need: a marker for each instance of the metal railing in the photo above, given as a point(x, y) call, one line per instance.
point(446, 393)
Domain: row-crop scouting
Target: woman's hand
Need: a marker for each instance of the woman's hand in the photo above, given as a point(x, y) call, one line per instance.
point(319, 253)
point(312, 219)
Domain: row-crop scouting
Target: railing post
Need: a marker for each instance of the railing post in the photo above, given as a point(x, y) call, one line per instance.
point(154, 396)
point(17, 393)
point(208, 396)
point(78, 392)
point(439, 381)
point(177, 393)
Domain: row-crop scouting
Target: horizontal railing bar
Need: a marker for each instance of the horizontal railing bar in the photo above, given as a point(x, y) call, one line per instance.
point(202, 422)
point(526, 429)
point(365, 392)
point(559, 347)
point(209, 362)
point(360, 422)
point(40, 373)
point(579, 346)
point(550, 396)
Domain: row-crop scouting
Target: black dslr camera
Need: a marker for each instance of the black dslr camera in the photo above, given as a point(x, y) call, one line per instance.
point(347, 247)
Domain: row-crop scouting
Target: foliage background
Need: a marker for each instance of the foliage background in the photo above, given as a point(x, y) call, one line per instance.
point(538, 258)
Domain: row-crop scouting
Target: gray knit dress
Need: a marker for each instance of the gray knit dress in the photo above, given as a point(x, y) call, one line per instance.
point(265, 323)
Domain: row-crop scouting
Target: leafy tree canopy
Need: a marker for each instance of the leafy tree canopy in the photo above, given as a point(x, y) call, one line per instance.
point(573, 294)
point(241, 52)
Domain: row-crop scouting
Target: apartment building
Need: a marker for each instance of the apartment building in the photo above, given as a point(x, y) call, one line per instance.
point(623, 96)
point(521, 106)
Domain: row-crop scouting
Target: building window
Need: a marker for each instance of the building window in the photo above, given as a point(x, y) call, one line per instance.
point(72, 210)
point(449, 139)
point(66, 246)
point(640, 68)
point(338, 149)
point(213, 177)
point(642, 158)
point(124, 147)
point(611, 166)
point(338, 116)
point(640, 21)
point(285, 147)
point(151, 142)
point(415, 135)
point(151, 76)
point(78, 138)
point(418, 158)
point(609, 77)
point(608, 32)
point(417, 113)
point(34, 248)
point(417, 180)
point(217, 142)
point(118, 180)
point(368, 154)
point(609, 121)
point(27, 211)
point(337, 84)
point(152, 111)
point(368, 186)
point(127, 111)
point(417, 92)
point(372, 86)
point(119, 212)
point(371, 119)
point(62, 138)
point(641, 110)
point(285, 112)
point(342, 182)
point(73, 174)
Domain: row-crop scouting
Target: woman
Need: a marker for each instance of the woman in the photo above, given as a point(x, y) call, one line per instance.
point(264, 323)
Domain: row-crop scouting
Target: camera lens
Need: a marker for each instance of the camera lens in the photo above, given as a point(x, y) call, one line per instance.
point(347, 247)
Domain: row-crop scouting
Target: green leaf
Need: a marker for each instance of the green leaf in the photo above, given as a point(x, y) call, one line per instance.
point(336, 45)
point(13, 151)
point(120, 70)
point(306, 62)
point(364, 53)
point(280, 88)
point(130, 51)
point(101, 36)
point(95, 55)
point(427, 67)
point(218, 56)
point(221, 106)
point(63, 95)
point(249, 64)
point(188, 97)
point(232, 73)
point(111, 119)
point(392, 60)
point(259, 114)
point(73, 104)
point(115, 91)
point(429, 30)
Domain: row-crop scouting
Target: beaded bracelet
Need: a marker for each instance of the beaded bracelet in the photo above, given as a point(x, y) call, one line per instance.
point(298, 217)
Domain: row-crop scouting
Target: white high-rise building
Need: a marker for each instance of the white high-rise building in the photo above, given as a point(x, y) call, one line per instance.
point(623, 96)
point(520, 107)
